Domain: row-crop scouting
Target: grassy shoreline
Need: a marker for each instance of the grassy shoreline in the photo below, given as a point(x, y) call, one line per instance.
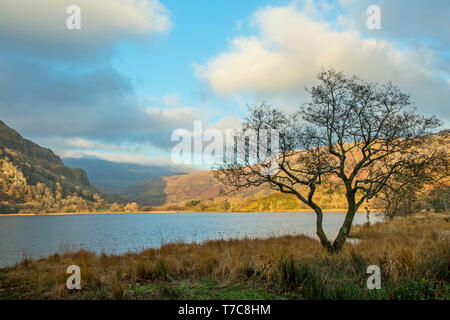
point(413, 254)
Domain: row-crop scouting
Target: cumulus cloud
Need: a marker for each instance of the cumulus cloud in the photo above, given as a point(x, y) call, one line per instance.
point(40, 25)
point(55, 94)
point(163, 118)
point(67, 95)
point(290, 47)
point(96, 105)
point(417, 22)
point(41, 100)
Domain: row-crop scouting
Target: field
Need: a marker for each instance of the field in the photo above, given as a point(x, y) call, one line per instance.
point(413, 254)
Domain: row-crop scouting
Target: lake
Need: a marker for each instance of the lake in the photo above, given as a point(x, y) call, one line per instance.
point(42, 235)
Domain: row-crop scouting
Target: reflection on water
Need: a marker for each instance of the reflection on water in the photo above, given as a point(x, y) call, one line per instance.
point(40, 236)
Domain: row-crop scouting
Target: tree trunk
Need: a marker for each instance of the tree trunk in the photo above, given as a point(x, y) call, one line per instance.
point(319, 229)
point(343, 232)
point(338, 243)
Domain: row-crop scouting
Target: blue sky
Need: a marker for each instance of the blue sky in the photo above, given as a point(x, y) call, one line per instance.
point(200, 29)
point(138, 69)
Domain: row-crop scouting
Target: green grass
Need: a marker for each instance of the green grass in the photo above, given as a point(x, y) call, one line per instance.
point(344, 282)
point(205, 289)
point(5, 282)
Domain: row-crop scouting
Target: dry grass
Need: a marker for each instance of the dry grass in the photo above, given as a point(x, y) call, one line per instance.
point(413, 254)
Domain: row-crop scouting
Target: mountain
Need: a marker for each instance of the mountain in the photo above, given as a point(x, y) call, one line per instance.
point(38, 164)
point(34, 178)
point(199, 191)
point(171, 189)
point(110, 176)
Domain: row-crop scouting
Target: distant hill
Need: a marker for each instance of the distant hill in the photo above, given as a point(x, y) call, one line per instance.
point(200, 192)
point(34, 177)
point(110, 177)
point(192, 189)
point(172, 189)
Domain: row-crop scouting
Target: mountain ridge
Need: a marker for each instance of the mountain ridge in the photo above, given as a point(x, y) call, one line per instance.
point(110, 176)
point(35, 178)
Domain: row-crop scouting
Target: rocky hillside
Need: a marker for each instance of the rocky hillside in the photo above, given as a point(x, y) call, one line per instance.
point(33, 178)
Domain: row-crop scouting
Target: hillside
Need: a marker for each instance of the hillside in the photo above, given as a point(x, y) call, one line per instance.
point(34, 178)
point(173, 189)
point(199, 191)
point(108, 176)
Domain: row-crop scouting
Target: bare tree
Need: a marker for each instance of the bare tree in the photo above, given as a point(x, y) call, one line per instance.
point(439, 197)
point(407, 192)
point(356, 133)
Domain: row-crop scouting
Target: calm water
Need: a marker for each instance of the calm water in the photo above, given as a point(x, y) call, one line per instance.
point(40, 236)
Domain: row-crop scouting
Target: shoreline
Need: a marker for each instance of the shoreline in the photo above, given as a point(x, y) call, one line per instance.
point(168, 212)
point(292, 267)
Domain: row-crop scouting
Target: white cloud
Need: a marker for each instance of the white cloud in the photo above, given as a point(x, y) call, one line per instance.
point(90, 144)
point(127, 158)
point(416, 22)
point(80, 143)
point(227, 123)
point(42, 23)
point(113, 157)
point(171, 118)
point(290, 48)
point(121, 157)
point(171, 100)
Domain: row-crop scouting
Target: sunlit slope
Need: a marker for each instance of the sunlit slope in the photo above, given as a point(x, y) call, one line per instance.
point(33, 178)
point(200, 191)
